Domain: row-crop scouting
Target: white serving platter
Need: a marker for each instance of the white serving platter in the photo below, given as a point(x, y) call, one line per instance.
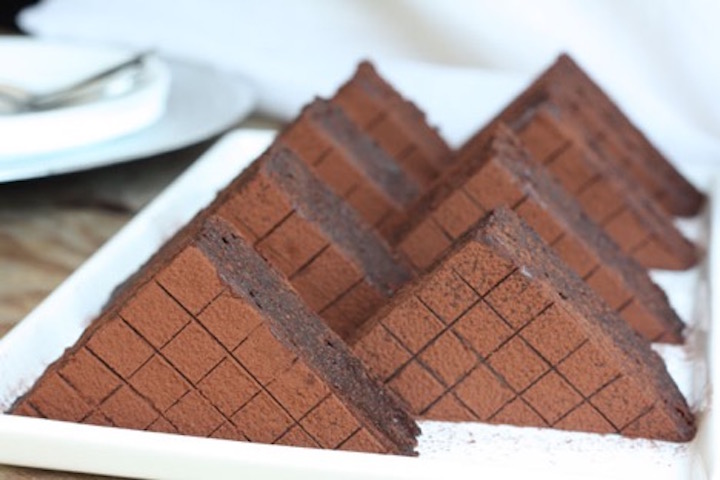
point(446, 450)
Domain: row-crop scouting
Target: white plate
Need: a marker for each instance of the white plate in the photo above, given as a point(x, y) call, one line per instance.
point(446, 450)
point(43, 66)
point(202, 102)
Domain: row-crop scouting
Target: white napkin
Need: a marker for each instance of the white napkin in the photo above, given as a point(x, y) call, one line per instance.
point(460, 60)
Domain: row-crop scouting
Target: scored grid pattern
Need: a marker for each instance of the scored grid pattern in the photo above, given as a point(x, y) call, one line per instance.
point(399, 128)
point(331, 165)
point(494, 185)
point(618, 145)
point(583, 104)
point(488, 343)
point(214, 369)
point(333, 285)
point(601, 199)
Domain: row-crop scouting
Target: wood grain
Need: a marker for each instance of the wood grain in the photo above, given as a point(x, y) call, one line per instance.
point(40, 247)
point(18, 473)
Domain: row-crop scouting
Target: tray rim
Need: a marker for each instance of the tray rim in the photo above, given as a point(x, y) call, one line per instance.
point(116, 451)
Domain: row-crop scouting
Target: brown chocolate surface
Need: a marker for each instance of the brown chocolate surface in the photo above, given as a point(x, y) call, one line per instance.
point(395, 123)
point(208, 340)
point(224, 333)
point(337, 263)
point(501, 331)
point(498, 171)
point(585, 109)
point(635, 222)
point(349, 162)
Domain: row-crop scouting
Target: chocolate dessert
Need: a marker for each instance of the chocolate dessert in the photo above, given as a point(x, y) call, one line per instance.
point(338, 265)
point(349, 162)
point(497, 172)
point(634, 221)
point(628, 215)
point(208, 340)
point(501, 331)
point(582, 107)
point(359, 234)
point(395, 124)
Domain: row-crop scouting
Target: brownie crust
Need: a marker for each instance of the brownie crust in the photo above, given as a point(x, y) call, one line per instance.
point(498, 171)
point(500, 330)
point(208, 340)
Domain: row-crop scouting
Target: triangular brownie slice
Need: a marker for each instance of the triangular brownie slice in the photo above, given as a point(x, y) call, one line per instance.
point(395, 123)
point(501, 331)
point(349, 162)
point(632, 219)
point(499, 172)
point(583, 107)
point(678, 195)
point(337, 263)
point(208, 340)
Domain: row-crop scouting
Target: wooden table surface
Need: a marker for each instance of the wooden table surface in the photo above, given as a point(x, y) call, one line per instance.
point(50, 226)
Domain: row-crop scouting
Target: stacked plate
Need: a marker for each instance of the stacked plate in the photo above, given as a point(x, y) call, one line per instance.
point(170, 104)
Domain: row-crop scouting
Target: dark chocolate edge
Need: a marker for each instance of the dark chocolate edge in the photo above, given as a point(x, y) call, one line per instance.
point(398, 439)
point(471, 157)
point(133, 283)
point(292, 322)
point(505, 230)
point(500, 142)
point(369, 79)
point(339, 220)
point(656, 219)
point(548, 192)
point(687, 200)
point(364, 153)
point(638, 200)
point(547, 85)
point(120, 294)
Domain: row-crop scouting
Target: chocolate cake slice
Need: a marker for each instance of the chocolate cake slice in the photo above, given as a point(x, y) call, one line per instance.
point(396, 124)
point(678, 195)
point(209, 340)
point(633, 220)
point(501, 331)
point(498, 171)
point(349, 162)
point(584, 108)
point(337, 263)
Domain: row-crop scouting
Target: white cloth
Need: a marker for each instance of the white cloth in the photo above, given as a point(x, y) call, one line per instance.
point(460, 60)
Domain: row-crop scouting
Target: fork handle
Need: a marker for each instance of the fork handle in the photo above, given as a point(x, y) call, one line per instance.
point(63, 95)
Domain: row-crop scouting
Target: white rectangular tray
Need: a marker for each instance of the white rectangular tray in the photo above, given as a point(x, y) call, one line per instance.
point(446, 450)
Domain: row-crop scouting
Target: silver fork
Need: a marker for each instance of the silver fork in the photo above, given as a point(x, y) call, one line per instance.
point(119, 78)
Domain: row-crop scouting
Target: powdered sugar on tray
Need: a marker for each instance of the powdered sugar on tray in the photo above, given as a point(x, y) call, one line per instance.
point(453, 450)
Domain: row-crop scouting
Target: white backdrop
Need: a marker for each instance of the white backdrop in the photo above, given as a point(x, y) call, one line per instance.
point(461, 60)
